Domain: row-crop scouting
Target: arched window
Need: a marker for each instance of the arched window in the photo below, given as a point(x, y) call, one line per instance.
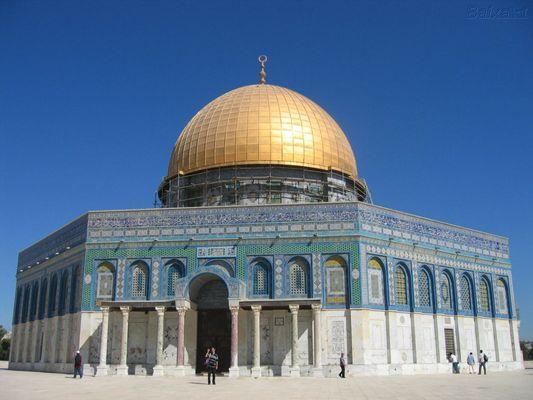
point(424, 288)
point(297, 278)
point(335, 280)
point(446, 292)
point(261, 279)
point(501, 293)
point(34, 298)
point(139, 280)
point(43, 296)
point(74, 288)
point(105, 281)
point(63, 293)
point(376, 282)
point(53, 293)
point(174, 272)
point(484, 296)
point(466, 293)
point(402, 295)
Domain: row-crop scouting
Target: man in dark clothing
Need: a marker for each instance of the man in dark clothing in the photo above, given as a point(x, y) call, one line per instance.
point(342, 363)
point(78, 368)
point(212, 366)
point(482, 361)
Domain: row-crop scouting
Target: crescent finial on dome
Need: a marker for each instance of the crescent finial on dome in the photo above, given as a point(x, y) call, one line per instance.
point(262, 60)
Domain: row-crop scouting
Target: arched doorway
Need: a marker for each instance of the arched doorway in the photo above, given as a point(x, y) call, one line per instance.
point(210, 294)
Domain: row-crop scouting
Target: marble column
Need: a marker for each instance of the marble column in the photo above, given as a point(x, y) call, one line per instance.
point(295, 368)
point(102, 368)
point(317, 348)
point(256, 369)
point(122, 369)
point(158, 368)
point(234, 368)
point(181, 338)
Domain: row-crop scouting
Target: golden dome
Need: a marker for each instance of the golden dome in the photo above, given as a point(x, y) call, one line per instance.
point(262, 125)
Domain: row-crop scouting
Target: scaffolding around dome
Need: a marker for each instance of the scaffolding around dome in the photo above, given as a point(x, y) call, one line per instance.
point(260, 184)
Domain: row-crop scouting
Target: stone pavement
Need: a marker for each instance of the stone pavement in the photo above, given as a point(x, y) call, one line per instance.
point(18, 385)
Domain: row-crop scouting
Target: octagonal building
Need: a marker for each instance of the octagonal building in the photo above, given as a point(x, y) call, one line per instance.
point(267, 246)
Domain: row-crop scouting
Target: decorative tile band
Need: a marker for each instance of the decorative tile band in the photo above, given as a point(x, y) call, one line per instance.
point(322, 219)
point(239, 220)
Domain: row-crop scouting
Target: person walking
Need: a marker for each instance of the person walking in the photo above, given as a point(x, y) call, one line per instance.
point(455, 363)
point(470, 360)
point(212, 366)
point(78, 368)
point(206, 358)
point(483, 359)
point(342, 364)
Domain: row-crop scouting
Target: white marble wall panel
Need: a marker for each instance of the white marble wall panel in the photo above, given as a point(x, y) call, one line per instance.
point(425, 339)
point(503, 334)
point(74, 336)
point(191, 318)
point(29, 342)
point(52, 339)
point(467, 335)
point(137, 338)
point(151, 337)
point(266, 335)
point(170, 338)
point(335, 333)
point(305, 343)
point(486, 337)
point(442, 323)
point(281, 333)
point(363, 333)
point(114, 337)
point(401, 339)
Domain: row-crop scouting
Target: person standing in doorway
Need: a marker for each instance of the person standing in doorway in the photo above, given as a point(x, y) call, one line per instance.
point(78, 365)
point(206, 358)
point(342, 364)
point(212, 366)
point(470, 360)
point(482, 361)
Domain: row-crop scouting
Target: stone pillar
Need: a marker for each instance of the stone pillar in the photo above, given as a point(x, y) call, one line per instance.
point(122, 369)
point(20, 342)
point(102, 368)
point(295, 368)
point(158, 368)
point(256, 369)
point(52, 352)
point(317, 348)
point(35, 339)
point(234, 368)
point(27, 341)
point(20, 346)
point(181, 340)
point(66, 335)
point(45, 339)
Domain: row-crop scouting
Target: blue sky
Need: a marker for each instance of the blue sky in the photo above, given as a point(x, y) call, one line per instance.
point(438, 106)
